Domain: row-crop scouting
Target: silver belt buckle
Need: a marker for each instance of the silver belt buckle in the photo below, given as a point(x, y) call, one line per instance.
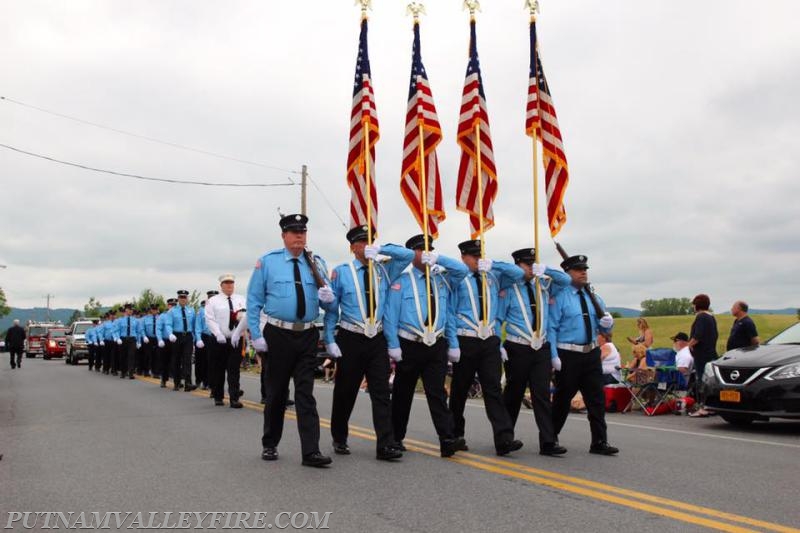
point(537, 341)
point(429, 337)
point(298, 326)
point(484, 331)
point(370, 330)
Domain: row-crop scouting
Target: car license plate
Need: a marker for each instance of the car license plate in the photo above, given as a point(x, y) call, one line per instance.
point(732, 396)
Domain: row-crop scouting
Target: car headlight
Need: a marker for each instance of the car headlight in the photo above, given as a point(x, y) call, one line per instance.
point(785, 372)
point(709, 375)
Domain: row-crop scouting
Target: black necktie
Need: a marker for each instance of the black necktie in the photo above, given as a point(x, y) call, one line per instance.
point(129, 326)
point(532, 299)
point(154, 325)
point(587, 323)
point(368, 292)
point(232, 322)
point(479, 282)
point(183, 314)
point(298, 289)
point(432, 310)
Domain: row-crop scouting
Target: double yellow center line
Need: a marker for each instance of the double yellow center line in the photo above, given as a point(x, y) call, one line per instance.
point(641, 501)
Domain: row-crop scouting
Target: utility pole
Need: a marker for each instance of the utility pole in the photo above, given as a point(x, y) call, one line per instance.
point(303, 185)
point(48, 296)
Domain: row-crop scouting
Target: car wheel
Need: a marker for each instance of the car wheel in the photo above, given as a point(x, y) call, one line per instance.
point(46, 357)
point(737, 420)
point(29, 355)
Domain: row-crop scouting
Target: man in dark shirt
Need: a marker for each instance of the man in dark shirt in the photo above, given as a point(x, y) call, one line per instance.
point(743, 331)
point(15, 344)
point(702, 343)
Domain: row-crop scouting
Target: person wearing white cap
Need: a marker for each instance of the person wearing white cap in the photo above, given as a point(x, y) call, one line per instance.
point(225, 320)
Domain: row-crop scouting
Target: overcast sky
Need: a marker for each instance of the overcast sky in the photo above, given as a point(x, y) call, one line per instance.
point(680, 123)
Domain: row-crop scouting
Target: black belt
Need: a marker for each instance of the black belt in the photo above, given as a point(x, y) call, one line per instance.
point(178, 334)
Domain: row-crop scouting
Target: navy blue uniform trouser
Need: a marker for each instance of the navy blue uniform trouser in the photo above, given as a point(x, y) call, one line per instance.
point(525, 368)
point(581, 372)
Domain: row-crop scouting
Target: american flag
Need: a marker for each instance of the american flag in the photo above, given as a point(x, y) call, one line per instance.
point(421, 111)
point(541, 121)
point(473, 112)
point(363, 118)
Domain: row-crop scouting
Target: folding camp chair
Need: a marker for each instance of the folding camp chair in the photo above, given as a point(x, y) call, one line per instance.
point(651, 388)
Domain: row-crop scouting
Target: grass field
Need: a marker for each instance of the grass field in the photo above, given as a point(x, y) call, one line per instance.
point(665, 327)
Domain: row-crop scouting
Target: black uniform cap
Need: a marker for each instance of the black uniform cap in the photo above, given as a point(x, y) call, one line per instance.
point(357, 234)
point(211, 293)
point(524, 255)
point(153, 306)
point(295, 222)
point(183, 293)
point(417, 242)
point(172, 301)
point(470, 247)
point(128, 306)
point(576, 261)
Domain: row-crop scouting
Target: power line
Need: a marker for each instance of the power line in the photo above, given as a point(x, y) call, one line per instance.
point(145, 137)
point(147, 178)
point(325, 197)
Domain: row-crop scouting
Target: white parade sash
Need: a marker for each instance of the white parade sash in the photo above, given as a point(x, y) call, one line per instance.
point(483, 329)
point(429, 337)
point(535, 338)
point(370, 328)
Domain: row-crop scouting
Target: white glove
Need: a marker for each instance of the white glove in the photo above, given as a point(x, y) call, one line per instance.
point(454, 355)
point(396, 354)
point(436, 269)
point(484, 265)
point(538, 269)
point(200, 344)
point(503, 354)
point(234, 339)
point(172, 337)
point(102, 343)
point(430, 258)
point(333, 350)
point(556, 363)
point(371, 251)
point(160, 344)
point(138, 345)
point(146, 340)
point(119, 342)
point(325, 294)
point(606, 321)
point(221, 338)
point(260, 344)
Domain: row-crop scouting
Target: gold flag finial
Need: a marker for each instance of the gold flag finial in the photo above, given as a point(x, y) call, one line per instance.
point(365, 4)
point(416, 9)
point(533, 7)
point(473, 6)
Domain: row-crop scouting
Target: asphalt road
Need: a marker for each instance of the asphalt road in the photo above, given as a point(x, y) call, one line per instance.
point(75, 441)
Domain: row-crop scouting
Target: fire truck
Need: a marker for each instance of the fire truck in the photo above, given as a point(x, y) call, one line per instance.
point(35, 335)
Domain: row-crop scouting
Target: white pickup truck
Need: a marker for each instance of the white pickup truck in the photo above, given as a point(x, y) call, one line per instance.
point(77, 348)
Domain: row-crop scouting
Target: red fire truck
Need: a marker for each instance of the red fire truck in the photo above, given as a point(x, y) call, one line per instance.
point(36, 333)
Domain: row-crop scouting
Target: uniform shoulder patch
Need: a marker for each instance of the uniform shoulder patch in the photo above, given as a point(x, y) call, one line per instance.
point(396, 286)
point(502, 294)
point(334, 275)
point(551, 300)
point(258, 263)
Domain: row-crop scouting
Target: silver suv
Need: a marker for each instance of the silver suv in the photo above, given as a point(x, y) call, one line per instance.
point(76, 341)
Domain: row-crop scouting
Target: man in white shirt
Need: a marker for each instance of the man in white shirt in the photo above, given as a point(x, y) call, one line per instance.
point(683, 356)
point(225, 320)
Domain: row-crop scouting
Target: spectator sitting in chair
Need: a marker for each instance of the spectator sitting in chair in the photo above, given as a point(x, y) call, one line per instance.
point(645, 336)
point(611, 360)
point(683, 356)
point(638, 366)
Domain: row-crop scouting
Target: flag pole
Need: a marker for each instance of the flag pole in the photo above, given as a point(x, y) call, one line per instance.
point(533, 6)
point(416, 8)
point(365, 124)
point(474, 5)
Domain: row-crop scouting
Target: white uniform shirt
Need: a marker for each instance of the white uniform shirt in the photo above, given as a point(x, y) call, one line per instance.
point(218, 314)
point(684, 359)
point(612, 362)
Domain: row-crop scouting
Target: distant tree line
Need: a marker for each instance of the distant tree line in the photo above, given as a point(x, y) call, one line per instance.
point(667, 307)
point(93, 308)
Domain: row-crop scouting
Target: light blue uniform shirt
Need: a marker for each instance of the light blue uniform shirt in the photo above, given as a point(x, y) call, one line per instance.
point(150, 326)
point(121, 328)
point(502, 276)
point(174, 321)
point(347, 297)
point(161, 332)
point(200, 326)
point(401, 309)
point(512, 314)
point(108, 331)
point(566, 319)
point(89, 336)
point(271, 289)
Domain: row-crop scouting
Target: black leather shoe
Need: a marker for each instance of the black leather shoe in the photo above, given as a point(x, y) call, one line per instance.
point(506, 447)
point(399, 446)
point(189, 388)
point(289, 403)
point(263, 401)
point(176, 387)
point(236, 405)
point(388, 454)
point(130, 376)
point(341, 448)
point(552, 449)
point(241, 393)
point(603, 448)
point(448, 447)
point(461, 444)
point(316, 459)
point(163, 385)
point(219, 402)
point(269, 454)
